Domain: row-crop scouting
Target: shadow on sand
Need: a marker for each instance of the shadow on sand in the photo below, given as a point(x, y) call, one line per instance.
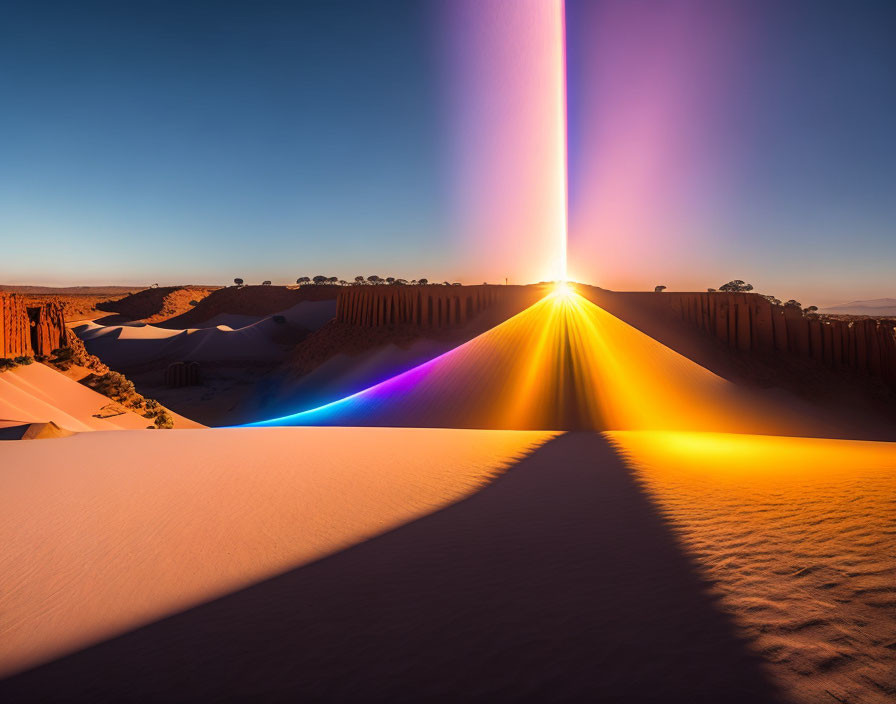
point(557, 582)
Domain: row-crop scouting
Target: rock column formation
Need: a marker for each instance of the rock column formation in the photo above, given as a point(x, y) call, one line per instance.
point(425, 306)
point(30, 330)
point(48, 328)
point(751, 323)
point(15, 335)
point(179, 374)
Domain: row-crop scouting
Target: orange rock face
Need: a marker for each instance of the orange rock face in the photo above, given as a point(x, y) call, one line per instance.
point(749, 322)
point(426, 306)
point(15, 337)
point(30, 331)
point(48, 327)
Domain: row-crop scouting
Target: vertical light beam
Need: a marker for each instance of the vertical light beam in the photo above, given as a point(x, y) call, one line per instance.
point(563, 167)
point(506, 114)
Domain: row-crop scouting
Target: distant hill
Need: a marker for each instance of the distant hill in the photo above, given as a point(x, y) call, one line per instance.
point(71, 290)
point(81, 290)
point(874, 307)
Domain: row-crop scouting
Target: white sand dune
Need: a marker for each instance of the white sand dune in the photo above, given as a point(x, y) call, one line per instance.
point(122, 346)
point(94, 545)
point(38, 394)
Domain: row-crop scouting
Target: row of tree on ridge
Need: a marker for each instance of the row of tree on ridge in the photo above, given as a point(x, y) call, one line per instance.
point(372, 280)
point(739, 286)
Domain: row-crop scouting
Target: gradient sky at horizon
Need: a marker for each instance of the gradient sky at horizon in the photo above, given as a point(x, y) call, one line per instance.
point(197, 141)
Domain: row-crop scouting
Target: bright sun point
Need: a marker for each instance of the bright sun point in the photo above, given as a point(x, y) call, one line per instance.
point(562, 289)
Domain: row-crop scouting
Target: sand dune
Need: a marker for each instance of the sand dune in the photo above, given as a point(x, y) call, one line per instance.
point(687, 567)
point(95, 547)
point(124, 346)
point(38, 394)
point(250, 300)
point(563, 363)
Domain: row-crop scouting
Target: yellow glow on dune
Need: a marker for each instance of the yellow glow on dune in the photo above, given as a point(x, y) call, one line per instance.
point(796, 535)
point(610, 375)
point(562, 289)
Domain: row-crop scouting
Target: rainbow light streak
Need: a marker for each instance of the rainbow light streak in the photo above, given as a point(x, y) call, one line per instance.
point(563, 363)
point(506, 66)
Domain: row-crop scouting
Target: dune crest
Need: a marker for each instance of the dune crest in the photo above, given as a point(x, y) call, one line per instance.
point(38, 394)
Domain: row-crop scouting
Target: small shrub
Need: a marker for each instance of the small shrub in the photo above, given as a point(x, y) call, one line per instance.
point(63, 357)
point(24, 360)
point(6, 364)
point(63, 354)
point(163, 420)
point(114, 385)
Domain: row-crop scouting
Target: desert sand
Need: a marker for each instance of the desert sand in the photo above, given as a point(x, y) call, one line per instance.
point(38, 394)
point(126, 346)
point(396, 565)
point(798, 538)
point(94, 548)
point(659, 562)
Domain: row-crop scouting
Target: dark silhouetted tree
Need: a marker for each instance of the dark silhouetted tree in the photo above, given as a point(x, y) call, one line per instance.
point(319, 279)
point(238, 282)
point(265, 283)
point(423, 282)
point(659, 289)
point(302, 280)
point(736, 286)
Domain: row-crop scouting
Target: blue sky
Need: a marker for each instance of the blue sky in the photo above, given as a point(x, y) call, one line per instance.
point(180, 142)
point(199, 141)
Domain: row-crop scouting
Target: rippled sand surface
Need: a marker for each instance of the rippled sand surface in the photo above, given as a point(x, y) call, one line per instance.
point(798, 537)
